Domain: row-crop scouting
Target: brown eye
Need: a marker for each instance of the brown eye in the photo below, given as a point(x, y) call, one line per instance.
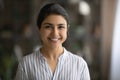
point(61, 27)
point(48, 26)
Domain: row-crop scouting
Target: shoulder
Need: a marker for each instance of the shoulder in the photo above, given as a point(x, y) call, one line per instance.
point(76, 59)
point(29, 59)
point(76, 62)
point(31, 56)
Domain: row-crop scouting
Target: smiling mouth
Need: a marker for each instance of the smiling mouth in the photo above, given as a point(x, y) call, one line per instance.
point(54, 39)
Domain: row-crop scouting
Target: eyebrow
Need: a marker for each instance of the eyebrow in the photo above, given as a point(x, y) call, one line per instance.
point(52, 24)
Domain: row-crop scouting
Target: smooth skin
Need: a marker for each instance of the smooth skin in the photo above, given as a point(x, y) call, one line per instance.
point(53, 33)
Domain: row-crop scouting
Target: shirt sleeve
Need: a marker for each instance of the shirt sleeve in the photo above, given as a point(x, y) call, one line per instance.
point(21, 74)
point(85, 73)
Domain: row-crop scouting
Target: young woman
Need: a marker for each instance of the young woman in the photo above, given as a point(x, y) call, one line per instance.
point(52, 61)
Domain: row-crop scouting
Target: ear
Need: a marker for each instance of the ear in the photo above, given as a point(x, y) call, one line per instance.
point(68, 26)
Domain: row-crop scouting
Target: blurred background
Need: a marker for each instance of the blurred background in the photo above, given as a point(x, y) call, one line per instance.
point(90, 34)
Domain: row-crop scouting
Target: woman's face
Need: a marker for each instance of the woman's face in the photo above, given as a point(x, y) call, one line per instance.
point(53, 31)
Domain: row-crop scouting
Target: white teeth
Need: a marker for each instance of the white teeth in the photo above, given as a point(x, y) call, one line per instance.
point(54, 39)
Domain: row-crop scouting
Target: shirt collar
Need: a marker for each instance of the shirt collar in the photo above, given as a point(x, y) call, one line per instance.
point(61, 57)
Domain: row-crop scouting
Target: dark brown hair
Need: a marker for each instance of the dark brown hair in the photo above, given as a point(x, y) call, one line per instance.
point(51, 8)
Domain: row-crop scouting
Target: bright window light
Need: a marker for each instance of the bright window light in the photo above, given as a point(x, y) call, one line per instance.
point(84, 8)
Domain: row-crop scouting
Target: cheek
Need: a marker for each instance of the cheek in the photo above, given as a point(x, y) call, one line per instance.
point(65, 34)
point(44, 34)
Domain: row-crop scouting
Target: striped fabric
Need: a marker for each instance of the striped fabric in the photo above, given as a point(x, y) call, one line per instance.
point(69, 67)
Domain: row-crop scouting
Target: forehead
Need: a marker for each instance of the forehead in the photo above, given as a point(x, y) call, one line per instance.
point(55, 19)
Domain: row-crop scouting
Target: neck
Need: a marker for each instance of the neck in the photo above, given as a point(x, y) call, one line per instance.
point(52, 54)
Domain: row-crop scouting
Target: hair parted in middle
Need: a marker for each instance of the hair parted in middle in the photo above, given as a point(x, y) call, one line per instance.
point(51, 8)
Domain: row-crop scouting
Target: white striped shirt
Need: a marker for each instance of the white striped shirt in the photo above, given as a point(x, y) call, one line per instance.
point(69, 67)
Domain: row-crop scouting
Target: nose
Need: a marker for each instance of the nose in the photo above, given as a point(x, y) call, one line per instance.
point(55, 32)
